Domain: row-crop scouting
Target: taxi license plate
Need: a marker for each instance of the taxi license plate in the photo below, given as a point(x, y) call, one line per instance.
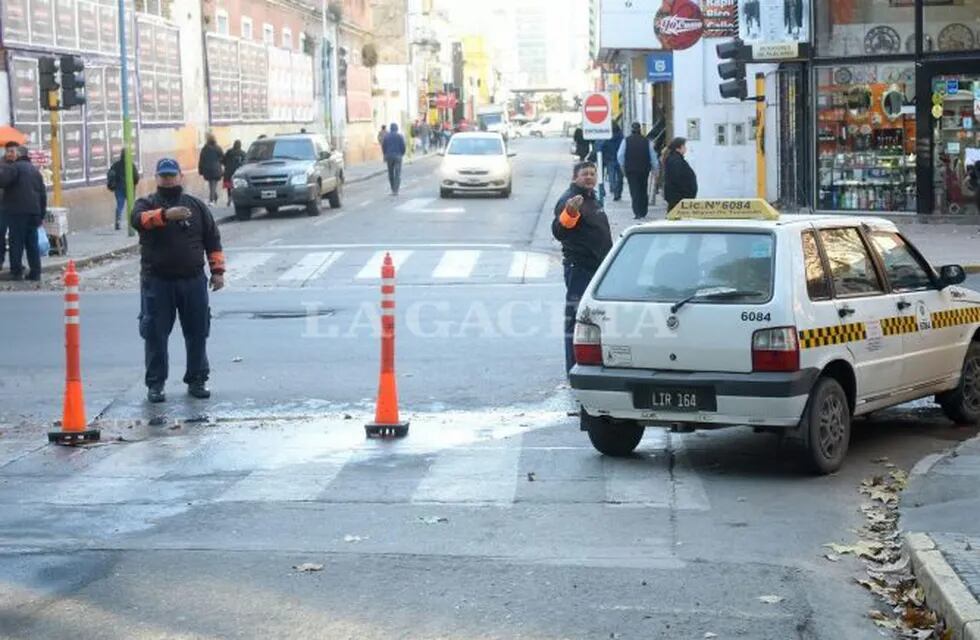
point(268, 195)
point(682, 399)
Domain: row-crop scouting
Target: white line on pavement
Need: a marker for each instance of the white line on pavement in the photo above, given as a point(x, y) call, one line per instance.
point(241, 265)
point(310, 266)
point(294, 484)
point(525, 264)
point(456, 264)
point(373, 267)
point(487, 476)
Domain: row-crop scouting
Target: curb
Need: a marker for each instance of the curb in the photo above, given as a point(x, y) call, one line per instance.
point(971, 268)
point(944, 590)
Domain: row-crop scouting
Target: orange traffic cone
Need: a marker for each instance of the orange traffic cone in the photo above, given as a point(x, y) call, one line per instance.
point(386, 422)
point(73, 421)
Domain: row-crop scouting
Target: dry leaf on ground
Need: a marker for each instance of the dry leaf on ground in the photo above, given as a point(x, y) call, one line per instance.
point(771, 599)
point(308, 567)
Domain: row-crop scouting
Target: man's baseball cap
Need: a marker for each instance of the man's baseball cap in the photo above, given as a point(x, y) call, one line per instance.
point(167, 167)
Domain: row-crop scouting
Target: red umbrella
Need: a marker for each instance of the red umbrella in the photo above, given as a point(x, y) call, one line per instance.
point(9, 134)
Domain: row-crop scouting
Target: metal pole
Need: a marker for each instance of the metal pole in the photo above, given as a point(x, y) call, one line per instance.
point(760, 135)
point(127, 124)
point(55, 146)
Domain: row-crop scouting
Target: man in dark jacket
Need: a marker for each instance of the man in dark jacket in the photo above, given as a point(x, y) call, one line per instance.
point(9, 156)
point(25, 200)
point(393, 148)
point(116, 182)
point(680, 181)
point(176, 233)
point(637, 158)
point(209, 166)
point(582, 227)
point(610, 160)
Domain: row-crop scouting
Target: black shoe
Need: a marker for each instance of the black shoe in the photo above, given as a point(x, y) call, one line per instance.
point(198, 390)
point(156, 395)
point(118, 225)
point(34, 277)
point(17, 277)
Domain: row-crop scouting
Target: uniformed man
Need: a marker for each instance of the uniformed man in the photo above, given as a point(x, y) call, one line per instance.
point(582, 227)
point(177, 233)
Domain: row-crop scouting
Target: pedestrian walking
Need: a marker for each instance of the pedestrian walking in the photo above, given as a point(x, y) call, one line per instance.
point(582, 228)
point(680, 181)
point(233, 159)
point(115, 181)
point(209, 166)
point(177, 232)
point(581, 144)
point(393, 148)
point(425, 133)
point(610, 161)
point(382, 134)
point(25, 201)
point(9, 156)
point(637, 158)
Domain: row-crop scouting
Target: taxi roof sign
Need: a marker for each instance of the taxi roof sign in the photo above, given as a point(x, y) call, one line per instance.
point(723, 209)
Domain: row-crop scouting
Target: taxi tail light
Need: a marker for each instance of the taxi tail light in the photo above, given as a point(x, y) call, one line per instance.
point(775, 350)
point(588, 343)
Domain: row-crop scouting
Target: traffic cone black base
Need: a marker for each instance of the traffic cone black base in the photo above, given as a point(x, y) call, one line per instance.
point(74, 437)
point(386, 430)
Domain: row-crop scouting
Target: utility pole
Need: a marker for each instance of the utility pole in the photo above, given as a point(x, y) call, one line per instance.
point(127, 124)
point(760, 135)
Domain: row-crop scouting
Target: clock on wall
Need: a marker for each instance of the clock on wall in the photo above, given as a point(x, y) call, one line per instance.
point(842, 75)
point(956, 37)
point(882, 39)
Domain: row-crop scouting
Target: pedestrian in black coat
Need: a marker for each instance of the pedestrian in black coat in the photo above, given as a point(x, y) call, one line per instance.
point(25, 201)
point(234, 158)
point(680, 181)
point(209, 166)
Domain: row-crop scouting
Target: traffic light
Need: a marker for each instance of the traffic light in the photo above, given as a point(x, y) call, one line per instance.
point(47, 79)
point(72, 82)
point(732, 70)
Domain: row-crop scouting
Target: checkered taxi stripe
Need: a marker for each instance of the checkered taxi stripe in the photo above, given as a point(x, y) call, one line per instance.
point(952, 317)
point(898, 325)
point(835, 334)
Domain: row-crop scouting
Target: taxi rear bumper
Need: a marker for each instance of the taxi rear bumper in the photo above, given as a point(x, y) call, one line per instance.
point(755, 399)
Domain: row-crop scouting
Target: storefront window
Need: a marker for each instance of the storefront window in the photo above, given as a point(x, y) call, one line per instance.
point(956, 137)
point(866, 137)
point(952, 25)
point(865, 27)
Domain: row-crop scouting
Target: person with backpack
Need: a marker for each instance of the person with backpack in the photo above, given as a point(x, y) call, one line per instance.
point(115, 181)
point(233, 159)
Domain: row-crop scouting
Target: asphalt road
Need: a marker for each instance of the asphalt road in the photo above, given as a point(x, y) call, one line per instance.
point(494, 518)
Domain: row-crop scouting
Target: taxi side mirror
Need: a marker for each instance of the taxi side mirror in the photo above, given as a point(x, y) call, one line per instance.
point(952, 274)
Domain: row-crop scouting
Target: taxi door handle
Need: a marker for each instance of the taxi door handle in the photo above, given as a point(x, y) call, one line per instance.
point(845, 311)
point(903, 305)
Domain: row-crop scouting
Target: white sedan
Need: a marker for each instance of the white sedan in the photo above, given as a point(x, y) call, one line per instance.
point(476, 162)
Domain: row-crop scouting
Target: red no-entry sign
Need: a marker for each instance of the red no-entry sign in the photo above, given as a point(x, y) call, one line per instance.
point(596, 117)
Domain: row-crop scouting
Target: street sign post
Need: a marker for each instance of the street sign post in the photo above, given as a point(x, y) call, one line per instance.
point(597, 116)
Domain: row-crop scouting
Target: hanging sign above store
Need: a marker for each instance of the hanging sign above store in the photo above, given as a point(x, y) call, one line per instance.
point(678, 24)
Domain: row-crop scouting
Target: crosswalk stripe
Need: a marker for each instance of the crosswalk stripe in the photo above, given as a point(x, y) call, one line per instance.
point(292, 484)
point(526, 264)
point(414, 204)
point(648, 481)
point(481, 476)
point(310, 266)
point(456, 264)
point(240, 266)
point(373, 267)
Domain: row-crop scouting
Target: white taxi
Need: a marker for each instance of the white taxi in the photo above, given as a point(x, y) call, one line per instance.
point(729, 313)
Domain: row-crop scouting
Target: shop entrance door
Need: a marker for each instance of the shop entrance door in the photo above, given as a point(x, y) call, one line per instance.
point(949, 117)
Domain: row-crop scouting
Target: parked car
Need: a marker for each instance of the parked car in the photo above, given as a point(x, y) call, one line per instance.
point(476, 162)
point(732, 314)
point(285, 171)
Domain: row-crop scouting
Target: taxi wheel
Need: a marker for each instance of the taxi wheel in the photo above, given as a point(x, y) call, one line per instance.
point(827, 424)
point(617, 438)
point(962, 404)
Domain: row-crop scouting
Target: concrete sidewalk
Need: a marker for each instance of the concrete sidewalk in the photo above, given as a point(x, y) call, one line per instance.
point(940, 514)
point(104, 243)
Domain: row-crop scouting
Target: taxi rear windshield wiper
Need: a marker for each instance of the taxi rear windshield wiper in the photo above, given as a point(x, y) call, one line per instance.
point(715, 294)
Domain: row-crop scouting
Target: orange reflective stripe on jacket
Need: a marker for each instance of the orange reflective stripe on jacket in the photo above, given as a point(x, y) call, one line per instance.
point(216, 260)
point(568, 219)
point(152, 219)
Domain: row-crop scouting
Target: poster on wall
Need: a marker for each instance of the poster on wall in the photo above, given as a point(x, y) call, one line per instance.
point(15, 29)
point(98, 151)
point(42, 22)
point(73, 146)
point(88, 26)
point(772, 21)
point(67, 21)
point(95, 95)
point(27, 96)
point(720, 18)
point(108, 30)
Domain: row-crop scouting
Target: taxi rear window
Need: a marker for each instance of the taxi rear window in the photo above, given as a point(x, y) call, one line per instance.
point(670, 266)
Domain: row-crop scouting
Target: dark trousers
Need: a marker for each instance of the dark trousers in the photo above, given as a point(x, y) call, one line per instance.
point(161, 301)
point(120, 206)
point(576, 281)
point(23, 237)
point(213, 190)
point(638, 193)
point(394, 173)
point(614, 174)
point(3, 238)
